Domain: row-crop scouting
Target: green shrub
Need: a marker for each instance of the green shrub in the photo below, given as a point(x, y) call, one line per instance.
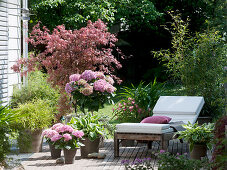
point(37, 88)
point(37, 114)
point(198, 61)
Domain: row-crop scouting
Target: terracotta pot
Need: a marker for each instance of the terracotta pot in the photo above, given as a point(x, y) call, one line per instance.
point(55, 153)
point(199, 150)
point(69, 155)
point(90, 147)
point(30, 141)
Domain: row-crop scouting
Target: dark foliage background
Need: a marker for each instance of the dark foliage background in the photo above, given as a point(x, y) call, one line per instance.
point(137, 24)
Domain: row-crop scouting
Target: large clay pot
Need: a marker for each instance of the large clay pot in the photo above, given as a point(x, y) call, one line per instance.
point(198, 151)
point(55, 153)
point(30, 141)
point(69, 155)
point(90, 147)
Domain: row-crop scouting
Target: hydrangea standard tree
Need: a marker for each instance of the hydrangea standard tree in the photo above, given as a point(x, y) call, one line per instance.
point(90, 90)
point(66, 52)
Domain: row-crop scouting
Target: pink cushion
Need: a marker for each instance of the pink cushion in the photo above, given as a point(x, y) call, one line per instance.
point(157, 120)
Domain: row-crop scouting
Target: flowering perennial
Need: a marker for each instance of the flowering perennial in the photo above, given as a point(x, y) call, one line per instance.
point(128, 111)
point(90, 89)
point(63, 136)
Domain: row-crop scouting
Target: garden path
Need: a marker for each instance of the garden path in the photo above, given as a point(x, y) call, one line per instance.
point(43, 161)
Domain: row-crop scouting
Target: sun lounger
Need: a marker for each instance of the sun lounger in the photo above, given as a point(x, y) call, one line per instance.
point(182, 109)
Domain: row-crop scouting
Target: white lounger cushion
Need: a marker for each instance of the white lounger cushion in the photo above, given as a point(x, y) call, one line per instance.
point(143, 128)
point(179, 108)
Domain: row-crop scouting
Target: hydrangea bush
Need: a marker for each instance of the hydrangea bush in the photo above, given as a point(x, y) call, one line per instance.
point(90, 90)
point(63, 136)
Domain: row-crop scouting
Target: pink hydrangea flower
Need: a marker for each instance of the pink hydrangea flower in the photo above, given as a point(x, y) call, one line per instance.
point(67, 137)
point(87, 90)
point(109, 80)
point(78, 133)
point(49, 133)
point(56, 126)
point(66, 128)
point(68, 88)
point(100, 85)
point(88, 75)
point(56, 137)
point(109, 88)
point(82, 82)
point(74, 77)
point(99, 75)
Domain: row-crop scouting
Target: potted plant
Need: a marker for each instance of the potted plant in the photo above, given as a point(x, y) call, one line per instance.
point(66, 138)
point(48, 134)
point(37, 115)
point(93, 128)
point(90, 90)
point(199, 138)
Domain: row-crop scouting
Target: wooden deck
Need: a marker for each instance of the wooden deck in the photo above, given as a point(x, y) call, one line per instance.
point(42, 160)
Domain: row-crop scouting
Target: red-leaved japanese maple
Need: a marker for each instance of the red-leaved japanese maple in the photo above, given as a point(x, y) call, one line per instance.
point(68, 52)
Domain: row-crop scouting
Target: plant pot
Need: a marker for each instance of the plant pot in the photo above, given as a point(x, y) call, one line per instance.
point(30, 141)
point(90, 147)
point(55, 153)
point(198, 151)
point(69, 155)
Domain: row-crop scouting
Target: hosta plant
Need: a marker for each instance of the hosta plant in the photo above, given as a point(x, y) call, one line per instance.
point(90, 124)
point(195, 134)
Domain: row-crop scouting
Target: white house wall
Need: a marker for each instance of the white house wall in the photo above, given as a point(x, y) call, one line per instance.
point(10, 46)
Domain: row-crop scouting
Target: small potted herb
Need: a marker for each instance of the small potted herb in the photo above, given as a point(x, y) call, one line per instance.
point(93, 129)
point(199, 138)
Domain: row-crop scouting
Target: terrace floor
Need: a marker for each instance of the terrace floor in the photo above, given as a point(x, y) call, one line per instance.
point(42, 160)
